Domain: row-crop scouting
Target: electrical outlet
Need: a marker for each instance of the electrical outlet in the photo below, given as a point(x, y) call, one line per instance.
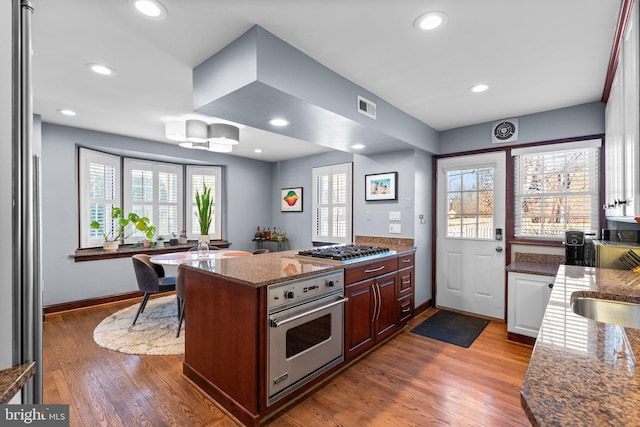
point(395, 229)
point(395, 216)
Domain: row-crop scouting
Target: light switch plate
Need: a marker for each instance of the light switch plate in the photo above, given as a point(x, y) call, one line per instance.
point(395, 229)
point(395, 216)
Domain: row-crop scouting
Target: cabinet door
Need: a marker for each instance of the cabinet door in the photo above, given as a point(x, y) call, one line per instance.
point(630, 46)
point(387, 315)
point(528, 299)
point(614, 147)
point(359, 317)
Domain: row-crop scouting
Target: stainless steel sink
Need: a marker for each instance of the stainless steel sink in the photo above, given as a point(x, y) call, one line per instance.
point(608, 311)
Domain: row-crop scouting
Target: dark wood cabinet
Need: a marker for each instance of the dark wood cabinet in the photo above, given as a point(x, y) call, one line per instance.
point(371, 314)
point(405, 289)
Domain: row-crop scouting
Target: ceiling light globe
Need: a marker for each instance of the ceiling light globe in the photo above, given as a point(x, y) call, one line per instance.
point(430, 21)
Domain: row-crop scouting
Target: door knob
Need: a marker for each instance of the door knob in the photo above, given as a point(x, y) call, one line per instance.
point(499, 249)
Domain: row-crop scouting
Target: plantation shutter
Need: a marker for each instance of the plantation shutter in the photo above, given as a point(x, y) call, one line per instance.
point(154, 190)
point(197, 176)
point(556, 189)
point(332, 204)
point(99, 183)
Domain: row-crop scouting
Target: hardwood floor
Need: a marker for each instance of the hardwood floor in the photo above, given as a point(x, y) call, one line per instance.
point(410, 381)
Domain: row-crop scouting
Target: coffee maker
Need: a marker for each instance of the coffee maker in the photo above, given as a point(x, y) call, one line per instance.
point(579, 249)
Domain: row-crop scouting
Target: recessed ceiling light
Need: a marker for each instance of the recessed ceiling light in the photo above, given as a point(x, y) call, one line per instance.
point(257, 150)
point(151, 9)
point(103, 70)
point(278, 122)
point(67, 112)
point(358, 146)
point(430, 21)
point(481, 87)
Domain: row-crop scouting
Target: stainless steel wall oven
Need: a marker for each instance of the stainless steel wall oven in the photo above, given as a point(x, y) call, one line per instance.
point(305, 322)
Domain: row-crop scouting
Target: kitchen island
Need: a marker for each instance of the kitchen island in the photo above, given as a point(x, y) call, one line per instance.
point(584, 372)
point(227, 325)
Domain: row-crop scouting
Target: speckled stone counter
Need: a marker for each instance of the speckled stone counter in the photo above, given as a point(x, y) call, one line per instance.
point(276, 267)
point(583, 372)
point(13, 379)
point(533, 263)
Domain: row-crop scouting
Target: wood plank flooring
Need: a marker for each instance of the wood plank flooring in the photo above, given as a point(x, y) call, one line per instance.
point(410, 381)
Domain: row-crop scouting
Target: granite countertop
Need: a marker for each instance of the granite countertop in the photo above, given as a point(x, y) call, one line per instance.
point(13, 379)
point(276, 267)
point(533, 263)
point(583, 372)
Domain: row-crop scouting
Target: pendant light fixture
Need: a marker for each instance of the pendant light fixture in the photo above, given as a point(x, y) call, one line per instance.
point(198, 134)
point(223, 134)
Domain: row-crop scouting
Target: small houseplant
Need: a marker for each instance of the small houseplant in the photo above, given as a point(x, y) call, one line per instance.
point(204, 205)
point(182, 239)
point(127, 224)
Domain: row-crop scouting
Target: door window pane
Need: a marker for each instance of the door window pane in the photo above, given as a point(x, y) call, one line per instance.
point(470, 196)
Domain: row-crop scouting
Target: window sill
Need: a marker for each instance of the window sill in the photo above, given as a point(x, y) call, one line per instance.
point(93, 254)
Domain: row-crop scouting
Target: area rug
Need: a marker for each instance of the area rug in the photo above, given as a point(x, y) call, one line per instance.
point(454, 328)
point(154, 332)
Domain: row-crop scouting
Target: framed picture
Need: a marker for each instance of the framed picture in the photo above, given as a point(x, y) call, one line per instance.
point(381, 186)
point(291, 199)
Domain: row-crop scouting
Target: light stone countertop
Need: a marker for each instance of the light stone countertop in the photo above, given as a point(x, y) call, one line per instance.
point(275, 267)
point(583, 372)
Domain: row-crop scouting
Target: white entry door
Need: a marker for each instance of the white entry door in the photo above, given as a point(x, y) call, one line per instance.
point(470, 256)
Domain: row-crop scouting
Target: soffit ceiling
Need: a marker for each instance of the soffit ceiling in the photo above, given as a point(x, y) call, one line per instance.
point(536, 56)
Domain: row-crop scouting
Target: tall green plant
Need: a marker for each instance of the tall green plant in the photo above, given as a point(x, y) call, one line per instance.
point(205, 209)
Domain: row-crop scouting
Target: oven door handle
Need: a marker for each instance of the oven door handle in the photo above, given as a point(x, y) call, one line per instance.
point(274, 323)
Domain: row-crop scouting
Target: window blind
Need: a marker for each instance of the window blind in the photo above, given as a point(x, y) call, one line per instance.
point(556, 190)
point(197, 177)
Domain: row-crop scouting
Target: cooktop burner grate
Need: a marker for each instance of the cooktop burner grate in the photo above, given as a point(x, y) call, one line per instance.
point(345, 252)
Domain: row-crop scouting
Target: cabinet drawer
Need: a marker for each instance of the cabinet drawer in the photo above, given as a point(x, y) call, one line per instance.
point(356, 274)
point(405, 309)
point(405, 281)
point(406, 260)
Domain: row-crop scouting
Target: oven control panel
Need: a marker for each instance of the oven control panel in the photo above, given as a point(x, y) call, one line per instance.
point(293, 291)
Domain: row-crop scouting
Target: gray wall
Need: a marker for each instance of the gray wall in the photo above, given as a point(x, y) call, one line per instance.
point(247, 184)
point(297, 173)
point(6, 264)
point(422, 233)
point(580, 120)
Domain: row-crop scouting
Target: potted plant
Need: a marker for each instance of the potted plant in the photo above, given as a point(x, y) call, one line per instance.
point(204, 205)
point(182, 239)
point(127, 225)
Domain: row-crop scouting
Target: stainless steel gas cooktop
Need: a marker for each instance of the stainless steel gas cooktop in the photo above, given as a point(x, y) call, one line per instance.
point(344, 254)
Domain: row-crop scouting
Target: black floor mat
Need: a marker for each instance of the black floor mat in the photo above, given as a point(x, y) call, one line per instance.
point(454, 328)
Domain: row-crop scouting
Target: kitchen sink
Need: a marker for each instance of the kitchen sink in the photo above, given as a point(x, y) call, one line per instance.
point(608, 311)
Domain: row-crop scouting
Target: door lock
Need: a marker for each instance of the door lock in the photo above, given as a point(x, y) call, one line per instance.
point(499, 249)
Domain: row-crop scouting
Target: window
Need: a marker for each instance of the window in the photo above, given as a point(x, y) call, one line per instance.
point(196, 177)
point(470, 198)
point(154, 190)
point(332, 204)
point(99, 193)
point(556, 189)
point(149, 188)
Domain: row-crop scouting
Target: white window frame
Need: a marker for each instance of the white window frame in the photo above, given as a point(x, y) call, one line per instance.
point(85, 158)
point(330, 172)
point(215, 232)
point(593, 191)
point(155, 168)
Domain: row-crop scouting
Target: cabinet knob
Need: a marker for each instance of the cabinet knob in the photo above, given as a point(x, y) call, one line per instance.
point(550, 285)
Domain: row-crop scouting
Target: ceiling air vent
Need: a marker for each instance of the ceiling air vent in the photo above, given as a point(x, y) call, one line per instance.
point(366, 107)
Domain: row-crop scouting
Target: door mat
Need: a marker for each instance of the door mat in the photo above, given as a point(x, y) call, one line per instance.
point(454, 328)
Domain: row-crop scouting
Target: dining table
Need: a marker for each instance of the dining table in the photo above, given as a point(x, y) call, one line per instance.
point(191, 257)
